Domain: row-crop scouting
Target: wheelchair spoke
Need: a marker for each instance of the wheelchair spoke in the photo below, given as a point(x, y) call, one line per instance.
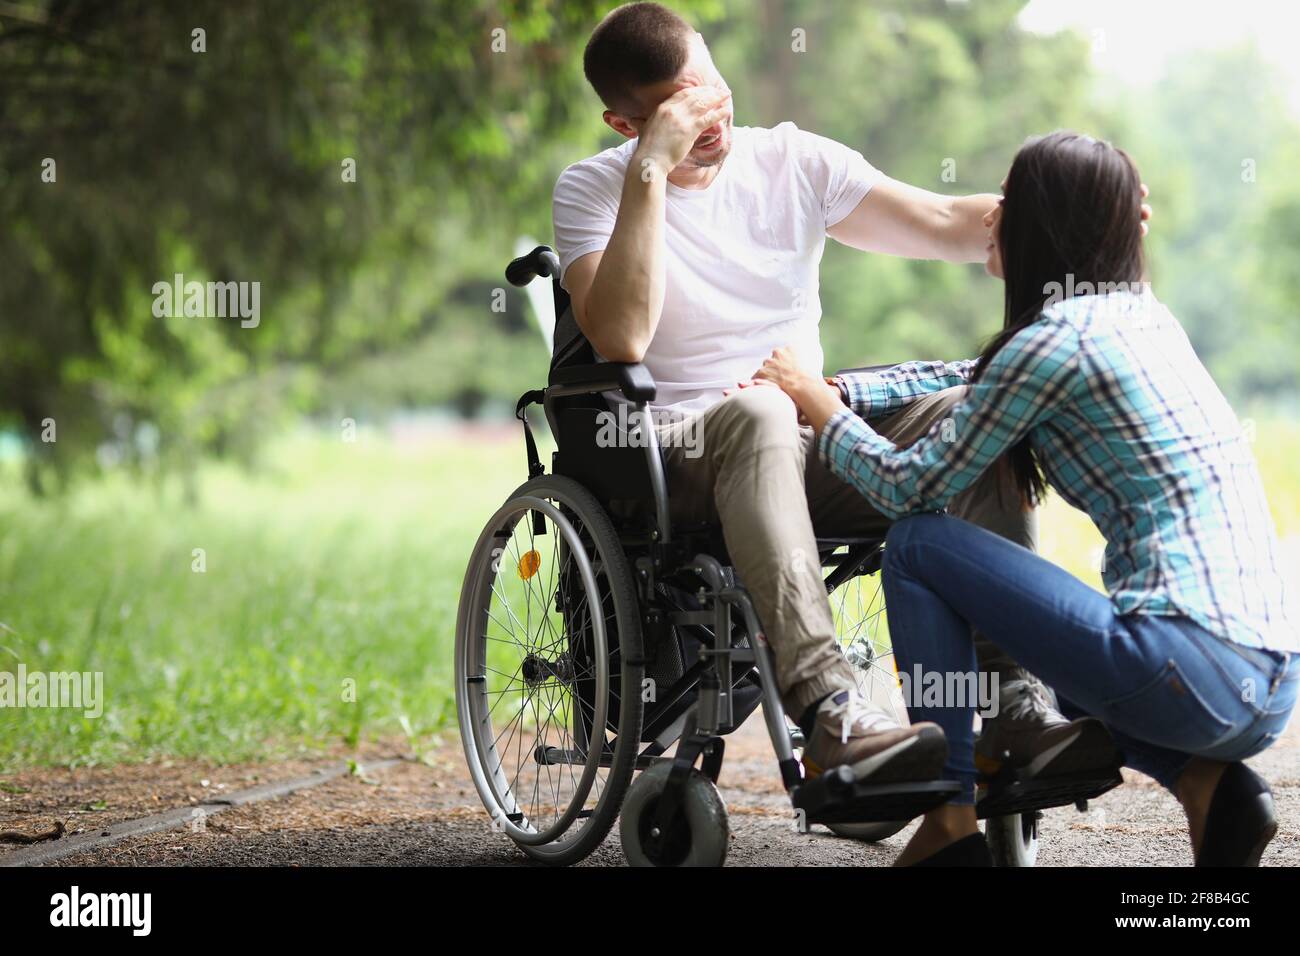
point(528, 605)
point(501, 694)
point(538, 742)
point(509, 610)
point(565, 744)
point(509, 628)
point(508, 727)
point(551, 704)
point(509, 677)
point(862, 631)
point(551, 699)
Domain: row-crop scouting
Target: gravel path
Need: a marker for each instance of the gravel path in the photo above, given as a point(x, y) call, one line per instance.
point(424, 814)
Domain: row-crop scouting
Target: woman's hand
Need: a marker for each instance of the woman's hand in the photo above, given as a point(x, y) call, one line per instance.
point(817, 400)
point(782, 369)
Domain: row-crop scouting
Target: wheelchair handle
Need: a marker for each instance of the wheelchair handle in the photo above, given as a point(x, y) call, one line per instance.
point(542, 261)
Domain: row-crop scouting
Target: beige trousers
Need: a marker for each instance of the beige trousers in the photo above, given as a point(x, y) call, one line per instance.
point(752, 468)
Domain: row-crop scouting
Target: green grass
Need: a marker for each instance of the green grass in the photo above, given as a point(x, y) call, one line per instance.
point(340, 562)
point(343, 564)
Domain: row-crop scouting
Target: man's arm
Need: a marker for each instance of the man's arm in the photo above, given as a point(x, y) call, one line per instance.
point(618, 294)
point(902, 220)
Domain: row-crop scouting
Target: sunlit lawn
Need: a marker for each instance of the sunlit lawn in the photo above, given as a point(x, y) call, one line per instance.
point(338, 563)
point(342, 563)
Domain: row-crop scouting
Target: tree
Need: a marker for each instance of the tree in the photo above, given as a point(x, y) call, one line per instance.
point(219, 140)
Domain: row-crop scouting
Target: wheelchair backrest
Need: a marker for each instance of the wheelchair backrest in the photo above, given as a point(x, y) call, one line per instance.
point(569, 345)
point(615, 473)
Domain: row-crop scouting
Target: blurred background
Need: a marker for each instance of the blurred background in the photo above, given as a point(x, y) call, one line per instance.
point(257, 533)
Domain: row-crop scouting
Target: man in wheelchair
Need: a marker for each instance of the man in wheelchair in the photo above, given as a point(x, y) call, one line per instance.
point(694, 248)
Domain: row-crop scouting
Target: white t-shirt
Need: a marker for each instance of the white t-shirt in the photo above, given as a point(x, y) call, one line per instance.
point(742, 254)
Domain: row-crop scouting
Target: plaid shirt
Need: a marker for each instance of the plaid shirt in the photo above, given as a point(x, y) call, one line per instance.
point(1128, 427)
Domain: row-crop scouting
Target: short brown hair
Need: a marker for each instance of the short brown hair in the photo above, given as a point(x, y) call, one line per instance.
point(635, 45)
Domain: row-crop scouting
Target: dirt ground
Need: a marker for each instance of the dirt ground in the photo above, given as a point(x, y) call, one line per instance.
point(427, 814)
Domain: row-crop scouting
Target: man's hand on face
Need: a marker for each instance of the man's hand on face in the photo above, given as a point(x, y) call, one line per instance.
point(668, 135)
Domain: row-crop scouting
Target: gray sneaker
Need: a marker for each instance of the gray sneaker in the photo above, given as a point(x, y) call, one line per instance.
point(1029, 733)
point(850, 732)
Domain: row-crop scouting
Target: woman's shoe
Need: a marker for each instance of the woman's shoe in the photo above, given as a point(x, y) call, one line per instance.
point(968, 851)
point(1241, 820)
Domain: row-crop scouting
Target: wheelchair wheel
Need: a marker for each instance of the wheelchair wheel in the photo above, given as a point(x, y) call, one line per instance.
point(1013, 839)
point(698, 834)
point(548, 670)
point(862, 629)
point(858, 606)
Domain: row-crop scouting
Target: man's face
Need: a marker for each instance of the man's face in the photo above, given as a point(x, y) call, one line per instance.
point(713, 145)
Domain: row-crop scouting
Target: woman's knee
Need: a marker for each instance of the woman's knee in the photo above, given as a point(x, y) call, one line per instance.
point(905, 530)
point(905, 533)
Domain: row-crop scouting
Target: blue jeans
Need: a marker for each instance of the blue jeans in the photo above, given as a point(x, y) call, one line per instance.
point(1166, 688)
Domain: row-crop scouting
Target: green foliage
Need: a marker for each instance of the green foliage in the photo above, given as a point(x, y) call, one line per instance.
point(1219, 133)
point(228, 165)
point(375, 294)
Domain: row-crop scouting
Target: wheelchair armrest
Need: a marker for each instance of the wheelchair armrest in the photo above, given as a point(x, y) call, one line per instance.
point(631, 378)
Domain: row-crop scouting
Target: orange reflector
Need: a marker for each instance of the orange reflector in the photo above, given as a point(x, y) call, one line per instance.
point(529, 564)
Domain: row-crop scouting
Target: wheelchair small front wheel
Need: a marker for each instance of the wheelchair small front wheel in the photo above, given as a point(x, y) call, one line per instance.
point(697, 835)
point(1013, 839)
point(867, 832)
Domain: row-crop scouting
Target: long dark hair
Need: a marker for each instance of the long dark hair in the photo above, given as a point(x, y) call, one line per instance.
point(1071, 208)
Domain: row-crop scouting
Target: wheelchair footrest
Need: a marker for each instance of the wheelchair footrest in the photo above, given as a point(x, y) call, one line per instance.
point(838, 797)
point(1014, 792)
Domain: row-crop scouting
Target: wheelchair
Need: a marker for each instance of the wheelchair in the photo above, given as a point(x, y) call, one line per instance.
point(594, 635)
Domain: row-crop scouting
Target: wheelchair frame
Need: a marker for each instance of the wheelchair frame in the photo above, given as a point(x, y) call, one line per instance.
point(698, 730)
point(707, 700)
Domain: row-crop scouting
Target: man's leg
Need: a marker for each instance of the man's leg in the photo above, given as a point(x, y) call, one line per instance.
point(749, 475)
point(749, 478)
